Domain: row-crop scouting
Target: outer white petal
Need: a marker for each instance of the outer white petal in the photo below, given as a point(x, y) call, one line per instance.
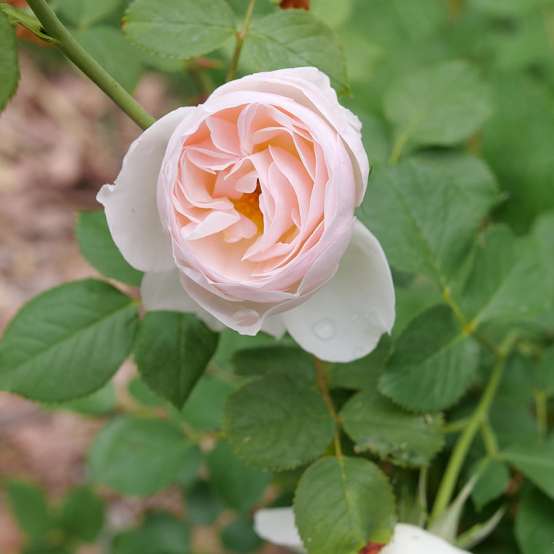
point(344, 320)
point(277, 526)
point(131, 206)
point(311, 87)
point(408, 539)
point(274, 325)
point(163, 291)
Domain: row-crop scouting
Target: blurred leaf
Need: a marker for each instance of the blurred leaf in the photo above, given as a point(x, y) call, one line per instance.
point(271, 360)
point(294, 38)
point(432, 365)
point(331, 12)
point(442, 105)
point(516, 143)
point(438, 204)
point(507, 7)
point(98, 248)
point(172, 352)
point(30, 509)
point(190, 467)
point(157, 447)
point(205, 406)
point(492, 483)
point(160, 533)
point(86, 12)
point(278, 423)
point(179, 28)
point(363, 373)
point(534, 523)
point(238, 485)
point(120, 59)
point(536, 462)
point(374, 423)
point(202, 504)
point(231, 342)
point(9, 68)
point(544, 372)
point(239, 536)
point(68, 341)
point(82, 514)
point(336, 508)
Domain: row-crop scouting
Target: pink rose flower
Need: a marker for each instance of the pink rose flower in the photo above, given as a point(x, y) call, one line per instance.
point(241, 210)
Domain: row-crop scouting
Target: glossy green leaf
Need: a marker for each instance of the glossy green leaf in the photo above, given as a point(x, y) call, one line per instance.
point(68, 341)
point(158, 449)
point(179, 28)
point(534, 523)
point(374, 423)
point(440, 105)
point(432, 365)
point(336, 506)
point(101, 402)
point(294, 38)
point(278, 423)
point(99, 249)
point(9, 68)
point(30, 509)
point(122, 61)
point(172, 352)
point(492, 483)
point(239, 486)
point(437, 204)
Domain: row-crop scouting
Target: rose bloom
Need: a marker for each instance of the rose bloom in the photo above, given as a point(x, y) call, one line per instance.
point(277, 526)
point(241, 210)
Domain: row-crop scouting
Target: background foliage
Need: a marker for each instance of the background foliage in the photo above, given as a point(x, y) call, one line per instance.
point(456, 98)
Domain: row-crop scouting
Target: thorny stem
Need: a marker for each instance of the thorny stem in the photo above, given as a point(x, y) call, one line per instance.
point(479, 417)
point(321, 379)
point(241, 35)
point(88, 65)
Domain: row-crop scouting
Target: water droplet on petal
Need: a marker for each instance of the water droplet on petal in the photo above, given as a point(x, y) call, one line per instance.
point(324, 329)
point(246, 317)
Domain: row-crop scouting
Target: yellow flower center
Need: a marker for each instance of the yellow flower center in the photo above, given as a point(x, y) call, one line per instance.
point(249, 206)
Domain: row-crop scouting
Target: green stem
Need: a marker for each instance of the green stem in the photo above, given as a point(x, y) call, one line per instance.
point(398, 146)
point(450, 478)
point(541, 407)
point(489, 439)
point(88, 65)
point(321, 379)
point(241, 35)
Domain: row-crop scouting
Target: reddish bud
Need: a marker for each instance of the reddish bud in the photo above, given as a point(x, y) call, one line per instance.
point(299, 4)
point(372, 548)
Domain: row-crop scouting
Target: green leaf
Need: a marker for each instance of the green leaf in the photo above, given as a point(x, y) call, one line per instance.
point(205, 407)
point(437, 203)
point(544, 372)
point(507, 7)
point(84, 12)
point(239, 536)
point(278, 423)
point(441, 105)
point(190, 467)
point(343, 504)
point(238, 485)
point(492, 483)
point(534, 523)
point(9, 68)
point(160, 533)
point(120, 59)
point(536, 462)
point(30, 509)
point(158, 449)
point(179, 28)
point(363, 373)
point(202, 504)
point(294, 38)
point(172, 352)
point(374, 423)
point(270, 360)
point(432, 365)
point(99, 249)
point(509, 281)
point(101, 402)
point(82, 514)
point(68, 341)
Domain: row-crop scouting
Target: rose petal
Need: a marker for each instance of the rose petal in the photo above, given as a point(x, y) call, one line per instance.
point(163, 291)
point(277, 526)
point(130, 204)
point(344, 320)
point(409, 539)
